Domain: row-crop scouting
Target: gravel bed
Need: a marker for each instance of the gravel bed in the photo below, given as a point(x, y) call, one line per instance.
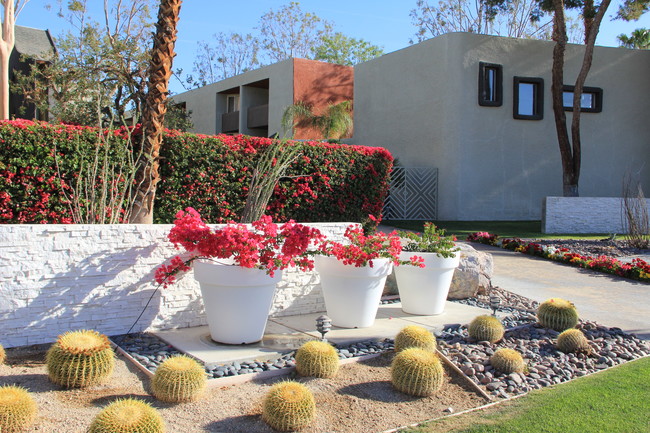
point(605, 247)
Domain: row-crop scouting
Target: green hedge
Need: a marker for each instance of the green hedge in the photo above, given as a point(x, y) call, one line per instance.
point(327, 182)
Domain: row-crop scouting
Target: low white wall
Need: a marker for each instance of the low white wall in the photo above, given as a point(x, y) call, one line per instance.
point(583, 215)
point(56, 278)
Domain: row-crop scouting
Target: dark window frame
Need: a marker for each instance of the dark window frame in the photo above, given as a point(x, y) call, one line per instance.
point(498, 85)
point(538, 98)
point(598, 98)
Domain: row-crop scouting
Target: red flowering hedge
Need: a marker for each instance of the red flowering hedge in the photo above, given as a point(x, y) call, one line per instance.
point(327, 182)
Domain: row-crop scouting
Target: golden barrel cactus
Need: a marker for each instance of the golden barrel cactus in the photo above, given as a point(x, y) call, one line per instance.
point(415, 336)
point(79, 359)
point(557, 314)
point(417, 372)
point(128, 416)
point(486, 328)
point(179, 379)
point(317, 359)
point(289, 406)
point(17, 409)
point(573, 341)
point(508, 361)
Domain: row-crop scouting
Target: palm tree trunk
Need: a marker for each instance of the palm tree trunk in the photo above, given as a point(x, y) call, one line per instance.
point(153, 116)
point(6, 47)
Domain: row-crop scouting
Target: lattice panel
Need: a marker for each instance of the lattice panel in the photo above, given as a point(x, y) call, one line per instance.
point(412, 195)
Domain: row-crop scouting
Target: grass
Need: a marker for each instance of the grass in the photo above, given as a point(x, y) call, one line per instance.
point(614, 401)
point(505, 229)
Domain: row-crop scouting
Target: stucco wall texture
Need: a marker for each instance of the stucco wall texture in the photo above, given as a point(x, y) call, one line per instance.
point(57, 278)
point(421, 103)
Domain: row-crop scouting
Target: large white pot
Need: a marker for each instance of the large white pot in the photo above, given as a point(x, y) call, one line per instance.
point(424, 291)
point(237, 300)
point(352, 294)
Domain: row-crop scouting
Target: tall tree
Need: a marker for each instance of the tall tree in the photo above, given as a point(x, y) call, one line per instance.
point(571, 147)
point(491, 17)
point(290, 32)
point(11, 11)
point(631, 10)
point(639, 39)
point(160, 71)
point(226, 55)
point(343, 50)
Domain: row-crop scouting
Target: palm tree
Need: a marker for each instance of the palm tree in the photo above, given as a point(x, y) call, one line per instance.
point(7, 42)
point(336, 122)
point(153, 115)
point(639, 39)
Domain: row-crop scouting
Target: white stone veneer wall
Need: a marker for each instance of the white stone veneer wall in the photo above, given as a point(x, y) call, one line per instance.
point(56, 278)
point(583, 215)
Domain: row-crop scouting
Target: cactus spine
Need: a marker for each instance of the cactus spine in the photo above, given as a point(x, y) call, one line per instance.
point(17, 409)
point(415, 336)
point(486, 328)
point(417, 372)
point(508, 361)
point(288, 406)
point(557, 314)
point(128, 416)
point(317, 359)
point(572, 341)
point(79, 359)
point(179, 379)
point(3, 355)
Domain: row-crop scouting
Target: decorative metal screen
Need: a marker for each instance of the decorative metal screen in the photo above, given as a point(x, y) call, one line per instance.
point(412, 195)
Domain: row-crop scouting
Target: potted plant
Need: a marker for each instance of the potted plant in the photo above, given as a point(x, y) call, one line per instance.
point(423, 291)
point(237, 267)
point(353, 275)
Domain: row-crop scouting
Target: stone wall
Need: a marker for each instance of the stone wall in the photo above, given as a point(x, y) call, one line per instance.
point(56, 278)
point(583, 215)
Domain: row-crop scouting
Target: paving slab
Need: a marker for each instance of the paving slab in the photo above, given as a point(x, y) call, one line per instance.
point(607, 299)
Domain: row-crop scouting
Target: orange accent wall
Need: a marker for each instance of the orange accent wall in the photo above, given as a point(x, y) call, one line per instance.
point(320, 84)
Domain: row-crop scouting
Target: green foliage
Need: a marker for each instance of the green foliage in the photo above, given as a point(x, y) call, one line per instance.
point(639, 39)
point(288, 406)
point(631, 10)
point(557, 314)
point(335, 123)
point(79, 359)
point(508, 361)
point(40, 165)
point(573, 341)
point(433, 240)
point(415, 336)
point(317, 359)
point(128, 416)
point(486, 328)
point(179, 379)
point(17, 409)
point(417, 372)
point(343, 50)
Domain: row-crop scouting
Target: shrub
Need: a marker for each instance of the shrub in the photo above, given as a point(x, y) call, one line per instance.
point(417, 372)
point(17, 409)
point(128, 416)
point(415, 336)
point(486, 328)
point(178, 379)
point(508, 361)
point(573, 341)
point(317, 359)
point(288, 406)
point(327, 182)
point(557, 314)
point(80, 358)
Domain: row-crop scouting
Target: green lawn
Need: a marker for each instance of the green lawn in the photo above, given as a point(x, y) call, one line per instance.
point(614, 401)
point(505, 229)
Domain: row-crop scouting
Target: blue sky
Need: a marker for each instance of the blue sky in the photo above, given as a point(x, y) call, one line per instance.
point(381, 22)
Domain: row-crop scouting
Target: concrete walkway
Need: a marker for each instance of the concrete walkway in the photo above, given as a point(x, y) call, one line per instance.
point(607, 299)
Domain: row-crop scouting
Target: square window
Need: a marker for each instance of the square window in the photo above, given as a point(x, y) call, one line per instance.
point(590, 102)
point(490, 85)
point(528, 98)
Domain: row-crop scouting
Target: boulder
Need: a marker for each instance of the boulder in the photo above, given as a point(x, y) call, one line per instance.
point(474, 274)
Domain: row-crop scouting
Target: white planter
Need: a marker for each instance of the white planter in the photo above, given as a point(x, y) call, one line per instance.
point(352, 294)
point(423, 291)
point(237, 300)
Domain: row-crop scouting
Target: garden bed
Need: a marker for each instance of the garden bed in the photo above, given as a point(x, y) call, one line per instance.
point(359, 398)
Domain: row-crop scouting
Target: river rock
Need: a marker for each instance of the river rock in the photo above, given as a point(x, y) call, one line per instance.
point(474, 274)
